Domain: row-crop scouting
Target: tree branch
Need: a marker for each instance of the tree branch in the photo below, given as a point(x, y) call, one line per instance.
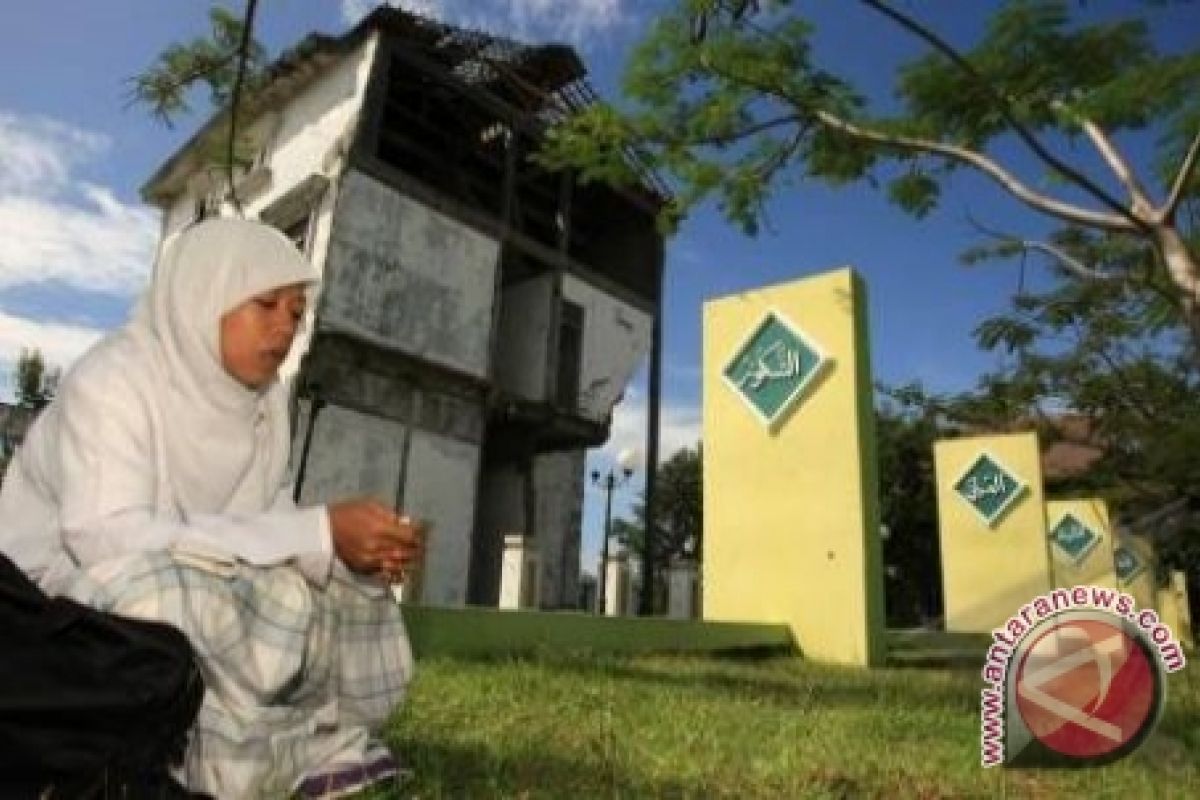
point(1022, 132)
point(730, 138)
point(773, 164)
point(1047, 205)
point(1181, 180)
point(1067, 260)
point(1131, 397)
point(765, 171)
point(235, 97)
point(1158, 515)
point(1060, 255)
point(1012, 184)
point(155, 95)
point(1118, 164)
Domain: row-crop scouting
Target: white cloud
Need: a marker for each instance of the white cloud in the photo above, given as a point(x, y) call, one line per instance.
point(529, 20)
point(354, 10)
point(94, 242)
point(59, 343)
point(39, 153)
point(55, 226)
point(679, 426)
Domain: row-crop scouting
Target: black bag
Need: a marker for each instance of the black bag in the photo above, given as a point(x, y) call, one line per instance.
point(91, 704)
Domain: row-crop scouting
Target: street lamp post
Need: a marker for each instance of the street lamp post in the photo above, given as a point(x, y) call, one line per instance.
point(610, 481)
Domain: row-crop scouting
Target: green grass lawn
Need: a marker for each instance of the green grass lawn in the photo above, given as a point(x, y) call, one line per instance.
point(663, 726)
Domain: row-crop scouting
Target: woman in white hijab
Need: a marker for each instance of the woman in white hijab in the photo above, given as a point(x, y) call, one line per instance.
point(153, 486)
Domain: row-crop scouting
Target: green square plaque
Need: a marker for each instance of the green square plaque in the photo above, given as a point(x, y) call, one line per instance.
point(772, 368)
point(988, 488)
point(1073, 539)
point(1127, 564)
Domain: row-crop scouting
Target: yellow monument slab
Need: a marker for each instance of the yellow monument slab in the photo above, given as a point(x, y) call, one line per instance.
point(1135, 565)
point(1174, 609)
point(992, 525)
point(791, 519)
point(1081, 543)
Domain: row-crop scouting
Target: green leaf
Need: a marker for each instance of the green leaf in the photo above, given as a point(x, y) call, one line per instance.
point(1012, 334)
point(915, 192)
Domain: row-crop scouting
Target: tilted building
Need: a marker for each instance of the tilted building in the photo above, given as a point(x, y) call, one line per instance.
point(479, 316)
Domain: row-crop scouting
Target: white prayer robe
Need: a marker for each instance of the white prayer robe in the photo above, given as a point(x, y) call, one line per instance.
point(93, 482)
point(152, 486)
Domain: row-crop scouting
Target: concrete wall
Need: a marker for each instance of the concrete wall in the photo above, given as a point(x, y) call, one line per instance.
point(554, 528)
point(616, 337)
point(1095, 568)
point(501, 511)
point(558, 486)
point(523, 345)
point(990, 569)
point(441, 486)
point(408, 278)
point(352, 454)
point(791, 519)
point(307, 135)
point(359, 454)
point(314, 130)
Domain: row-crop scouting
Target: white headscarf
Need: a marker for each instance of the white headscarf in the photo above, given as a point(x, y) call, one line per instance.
point(226, 444)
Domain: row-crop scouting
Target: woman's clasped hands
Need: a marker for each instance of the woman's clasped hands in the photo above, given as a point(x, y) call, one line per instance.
point(372, 539)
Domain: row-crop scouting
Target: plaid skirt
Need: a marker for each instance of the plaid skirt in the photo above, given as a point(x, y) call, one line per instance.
point(299, 679)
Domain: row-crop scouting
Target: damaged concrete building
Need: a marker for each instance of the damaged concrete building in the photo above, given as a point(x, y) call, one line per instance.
point(479, 316)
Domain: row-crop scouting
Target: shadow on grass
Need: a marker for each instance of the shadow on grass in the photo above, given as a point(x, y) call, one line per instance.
point(442, 769)
point(934, 649)
point(758, 681)
point(939, 660)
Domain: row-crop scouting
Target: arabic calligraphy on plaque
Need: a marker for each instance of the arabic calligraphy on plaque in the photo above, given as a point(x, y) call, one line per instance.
point(976, 488)
point(777, 362)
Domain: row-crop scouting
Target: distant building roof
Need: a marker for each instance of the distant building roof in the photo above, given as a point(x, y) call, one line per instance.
point(544, 81)
point(1073, 449)
point(1070, 446)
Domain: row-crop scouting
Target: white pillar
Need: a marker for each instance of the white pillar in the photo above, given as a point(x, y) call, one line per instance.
point(519, 572)
point(616, 585)
point(681, 589)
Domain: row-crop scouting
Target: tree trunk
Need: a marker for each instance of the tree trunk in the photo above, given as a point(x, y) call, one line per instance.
point(1184, 272)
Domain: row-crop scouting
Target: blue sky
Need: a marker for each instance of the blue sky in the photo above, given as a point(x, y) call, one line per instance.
point(75, 241)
